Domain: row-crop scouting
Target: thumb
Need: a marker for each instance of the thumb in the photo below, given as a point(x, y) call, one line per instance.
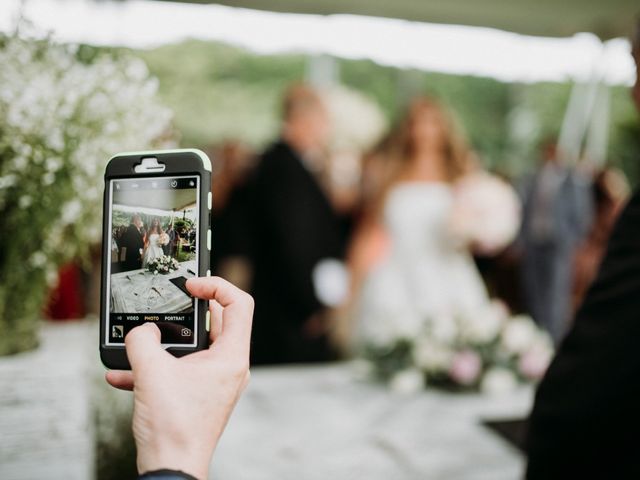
point(143, 345)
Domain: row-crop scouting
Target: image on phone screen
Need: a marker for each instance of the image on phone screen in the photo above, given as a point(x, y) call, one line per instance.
point(153, 250)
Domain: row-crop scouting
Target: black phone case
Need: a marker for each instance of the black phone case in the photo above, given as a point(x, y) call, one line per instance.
point(177, 162)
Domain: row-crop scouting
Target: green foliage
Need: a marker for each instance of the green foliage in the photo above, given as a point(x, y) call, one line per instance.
point(220, 92)
point(60, 121)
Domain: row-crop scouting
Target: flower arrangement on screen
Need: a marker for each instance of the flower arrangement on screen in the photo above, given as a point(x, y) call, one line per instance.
point(64, 111)
point(164, 264)
point(486, 350)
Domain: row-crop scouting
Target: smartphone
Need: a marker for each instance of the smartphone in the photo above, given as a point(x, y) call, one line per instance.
point(156, 235)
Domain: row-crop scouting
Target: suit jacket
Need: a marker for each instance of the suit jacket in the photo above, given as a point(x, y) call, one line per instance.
point(586, 417)
point(571, 212)
point(293, 227)
point(133, 241)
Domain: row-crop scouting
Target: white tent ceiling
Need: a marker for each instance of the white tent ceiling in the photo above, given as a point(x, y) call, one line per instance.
point(556, 18)
point(179, 199)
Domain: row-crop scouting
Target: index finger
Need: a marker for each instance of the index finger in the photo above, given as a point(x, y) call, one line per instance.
point(237, 314)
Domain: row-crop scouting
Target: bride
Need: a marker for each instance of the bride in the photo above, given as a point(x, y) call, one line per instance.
point(153, 244)
point(409, 262)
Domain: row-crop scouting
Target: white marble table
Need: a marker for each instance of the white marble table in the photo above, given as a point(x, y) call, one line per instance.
point(296, 422)
point(46, 419)
point(321, 423)
point(140, 291)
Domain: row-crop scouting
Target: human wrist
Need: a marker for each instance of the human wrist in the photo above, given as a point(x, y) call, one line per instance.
point(183, 460)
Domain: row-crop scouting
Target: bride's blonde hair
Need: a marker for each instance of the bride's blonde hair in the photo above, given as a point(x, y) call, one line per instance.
point(455, 148)
point(392, 156)
point(155, 223)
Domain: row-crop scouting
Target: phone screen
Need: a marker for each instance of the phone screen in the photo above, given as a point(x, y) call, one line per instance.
point(153, 249)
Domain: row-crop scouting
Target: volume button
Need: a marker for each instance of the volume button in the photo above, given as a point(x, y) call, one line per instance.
point(209, 239)
point(209, 200)
point(207, 324)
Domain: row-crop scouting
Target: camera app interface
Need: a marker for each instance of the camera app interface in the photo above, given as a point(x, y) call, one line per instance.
point(153, 251)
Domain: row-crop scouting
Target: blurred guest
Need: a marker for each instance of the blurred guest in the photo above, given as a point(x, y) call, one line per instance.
point(132, 242)
point(426, 269)
point(170, 247)
point(585, 418)
point(298, 237)
point(610, 191)
point(557, 212)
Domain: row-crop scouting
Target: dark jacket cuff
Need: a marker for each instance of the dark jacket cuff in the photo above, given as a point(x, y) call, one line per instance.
point(166, 474)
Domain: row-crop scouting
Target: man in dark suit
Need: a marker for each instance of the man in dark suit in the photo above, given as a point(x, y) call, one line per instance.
point(132, 243)
point(586, 417)
point(294, 231)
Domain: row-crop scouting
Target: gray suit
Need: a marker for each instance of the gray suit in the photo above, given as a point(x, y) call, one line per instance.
point(557, 213)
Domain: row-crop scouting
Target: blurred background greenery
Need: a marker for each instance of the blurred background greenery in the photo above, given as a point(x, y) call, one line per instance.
point(218, 92)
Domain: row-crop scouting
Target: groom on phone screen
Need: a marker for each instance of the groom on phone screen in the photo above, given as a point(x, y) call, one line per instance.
point(132, 243)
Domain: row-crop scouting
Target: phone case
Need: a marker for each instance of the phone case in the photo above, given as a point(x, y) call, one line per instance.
point(177, 162)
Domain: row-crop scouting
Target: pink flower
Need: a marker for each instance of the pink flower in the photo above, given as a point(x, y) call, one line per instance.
point(465, 367)
point(534, 362)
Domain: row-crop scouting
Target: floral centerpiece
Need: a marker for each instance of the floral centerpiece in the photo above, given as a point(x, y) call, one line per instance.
point(164, 264)
point(488, 350)
point(64, 111)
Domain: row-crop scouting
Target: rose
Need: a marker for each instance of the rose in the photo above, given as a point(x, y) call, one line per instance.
point(534, 362)
point(465, 367)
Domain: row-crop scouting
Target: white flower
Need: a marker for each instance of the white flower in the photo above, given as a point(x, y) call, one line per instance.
point(407, 381)
point(51, 277)
point(70, 212)
point(330, 281)
point(498, 381)
point(48, 179)
point(25, 201)
point(486, 212)
point(38, 259)
point(443, 328)
point(431, 356)
point(483, 325)
point(519, 334)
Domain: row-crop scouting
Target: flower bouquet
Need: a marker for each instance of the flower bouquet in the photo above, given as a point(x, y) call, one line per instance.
point(488, 350)
point(486, 213)
point(164, 264)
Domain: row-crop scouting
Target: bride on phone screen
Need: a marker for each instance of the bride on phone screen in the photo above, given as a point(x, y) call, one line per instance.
point(154, 242)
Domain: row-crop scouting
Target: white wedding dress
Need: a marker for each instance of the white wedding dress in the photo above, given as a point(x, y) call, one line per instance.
point(154, 249)
point(427, 272)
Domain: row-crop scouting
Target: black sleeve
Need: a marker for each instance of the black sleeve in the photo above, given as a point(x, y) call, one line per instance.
point(297, 233)
point(165, 474)
point(586, 414)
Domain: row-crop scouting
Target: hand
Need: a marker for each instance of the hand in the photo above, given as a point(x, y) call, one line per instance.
point(181, 405)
